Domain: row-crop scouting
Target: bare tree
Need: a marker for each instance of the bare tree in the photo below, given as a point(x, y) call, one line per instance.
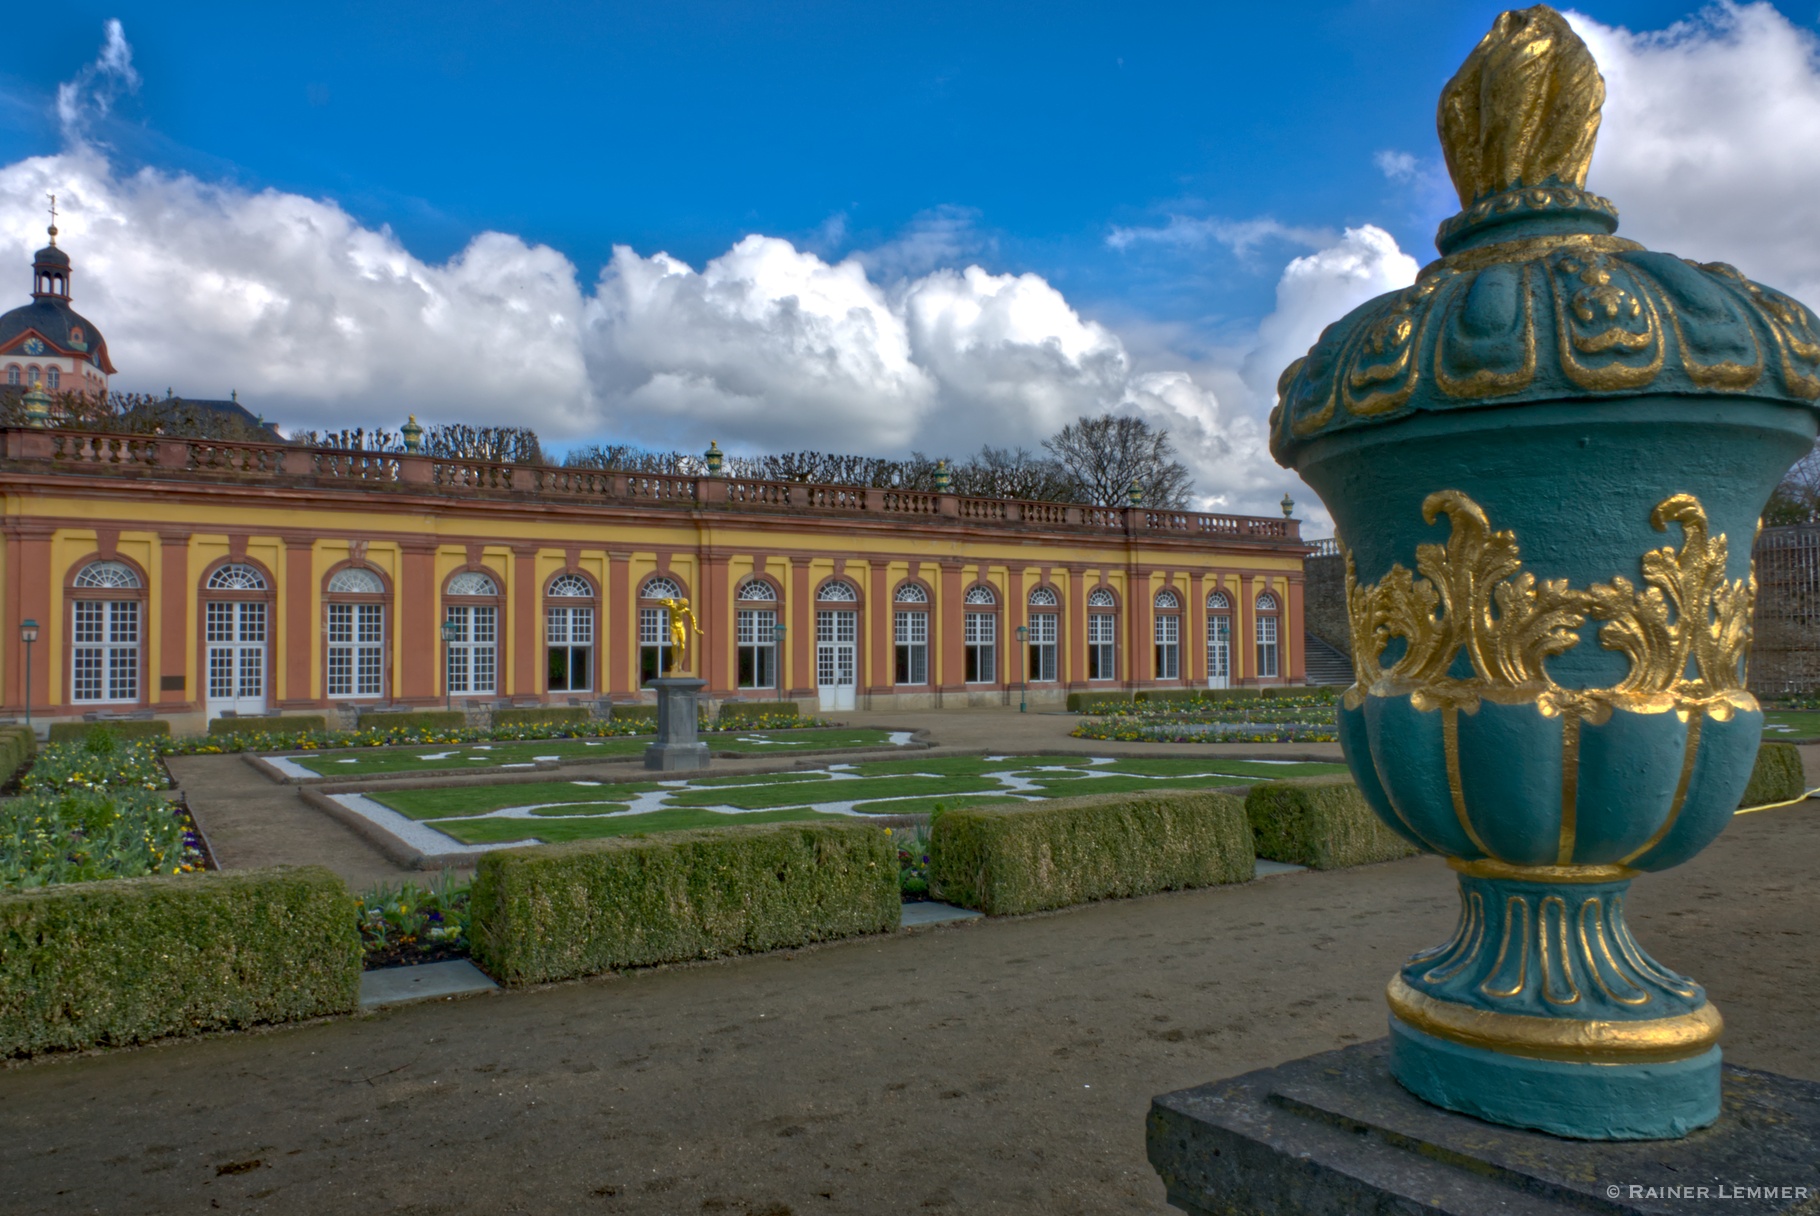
point(1796, 499)
point(1107, 455)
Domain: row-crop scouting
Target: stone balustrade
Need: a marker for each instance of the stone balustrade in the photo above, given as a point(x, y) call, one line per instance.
point(80, 453)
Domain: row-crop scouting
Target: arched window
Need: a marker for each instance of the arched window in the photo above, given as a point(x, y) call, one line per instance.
point(1167, 635)
point(471, 607)
point(12, 375)
point(1102, 635)
point(569, 634)
point(910, 634)
point(656, 654)
point(355, 581)
point(53, 378)
point(355, 608)
point(1045, 632)
point(1219, 640)
point(980, 594)
point(236, 576)
point(33, 374)
point(107, 625)
point(234, 634)
point(981, 635)
point(1267, 636)
point(837, 592)
point(756, 635)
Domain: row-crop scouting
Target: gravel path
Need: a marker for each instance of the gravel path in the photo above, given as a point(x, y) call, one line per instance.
point(998, 1066)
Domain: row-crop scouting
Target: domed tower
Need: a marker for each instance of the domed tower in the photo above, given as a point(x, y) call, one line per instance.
point(47, 342)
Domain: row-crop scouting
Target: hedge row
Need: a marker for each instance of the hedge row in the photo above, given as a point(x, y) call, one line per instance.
point(1024, 858)
point(422, 719)
point(1088, 702)
point(122, 961)
point(1322, 823)
point(18, 745)
point(541, 713)
point(552, 912)
point(289, 722)
point(1777, 776)
point(634, 711)
point(124, 728)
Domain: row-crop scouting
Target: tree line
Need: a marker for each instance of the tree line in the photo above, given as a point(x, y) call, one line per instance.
point(1093, 461)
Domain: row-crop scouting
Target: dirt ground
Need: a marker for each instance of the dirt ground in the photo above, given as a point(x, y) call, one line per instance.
point(999, 1066)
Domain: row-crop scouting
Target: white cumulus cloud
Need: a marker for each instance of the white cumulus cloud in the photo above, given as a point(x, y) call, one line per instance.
point(1710, 144)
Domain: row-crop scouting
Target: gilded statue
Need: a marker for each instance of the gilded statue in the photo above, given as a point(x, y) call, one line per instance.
point(682, 624)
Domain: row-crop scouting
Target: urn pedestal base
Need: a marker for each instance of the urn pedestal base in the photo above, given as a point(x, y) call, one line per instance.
point(1335, 1135)
point(1654, 1101)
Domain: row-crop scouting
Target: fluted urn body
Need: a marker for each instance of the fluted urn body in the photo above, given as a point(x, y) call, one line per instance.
point(1546, 460)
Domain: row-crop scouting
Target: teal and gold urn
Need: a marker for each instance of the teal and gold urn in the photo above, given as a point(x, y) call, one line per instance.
point(1546, 460)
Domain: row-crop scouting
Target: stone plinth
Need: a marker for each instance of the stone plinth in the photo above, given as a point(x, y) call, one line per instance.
point(678, 747)
point(1334, 1135)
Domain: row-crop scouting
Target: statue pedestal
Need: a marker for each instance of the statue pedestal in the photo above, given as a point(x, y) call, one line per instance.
point(678, 747)
point(1334, 1135)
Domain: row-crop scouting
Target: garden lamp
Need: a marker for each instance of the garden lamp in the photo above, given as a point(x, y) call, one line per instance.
point(1023, 636)
point(777, 635)
point(450, 632)
point(28, 633)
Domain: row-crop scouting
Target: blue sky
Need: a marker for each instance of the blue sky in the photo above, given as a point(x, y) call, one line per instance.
point(925, 137)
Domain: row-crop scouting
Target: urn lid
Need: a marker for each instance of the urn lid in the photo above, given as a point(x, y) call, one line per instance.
point(1534, 297)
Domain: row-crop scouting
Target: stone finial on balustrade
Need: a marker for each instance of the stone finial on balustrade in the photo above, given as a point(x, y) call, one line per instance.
point(37, 405)
point(1135, 494)
point(413, 435)
point(714, 458)
point(942, 478)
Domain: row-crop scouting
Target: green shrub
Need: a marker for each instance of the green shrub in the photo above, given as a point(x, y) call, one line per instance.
point(17, 747)
point(1323, 823)
point(125, 728)
point(286, 722)
point(540, 713)
point(736, 710)
point(1287, 690)
point(554, 911)
point(421, 719)
point(1086, 702)
point(1023, 858)
point(110, 963)
point(634, 711)
point(1777, 777)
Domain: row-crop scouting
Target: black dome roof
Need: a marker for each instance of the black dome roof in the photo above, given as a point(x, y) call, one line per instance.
point(51, 255)
point(54, 321)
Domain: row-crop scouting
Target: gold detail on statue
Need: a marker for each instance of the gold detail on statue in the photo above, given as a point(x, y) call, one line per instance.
point(1558, 987)
point(1487, 867)
point(1652, 1040)
point(1516, 930)
point(1529, 249)
point(1523, 108)
point(1596, 949)
point(1472, 596)
point(682, 624)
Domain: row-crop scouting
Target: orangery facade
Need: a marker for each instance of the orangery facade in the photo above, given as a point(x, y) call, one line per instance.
point(190, 578)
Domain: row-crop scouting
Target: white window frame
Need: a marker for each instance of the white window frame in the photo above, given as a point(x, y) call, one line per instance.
point(980, 639)
point(1168, 633)
point(105, 650)
point(1045, 630)
point(1102, 646)
point(356, 645)
point(755, 633)
point(910, 638)
point(473, 652)
point(654, 640)
point(569, 634)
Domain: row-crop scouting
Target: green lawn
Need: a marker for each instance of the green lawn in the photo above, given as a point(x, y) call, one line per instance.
point(1791, 724)
point(575, 810)
point(483, 756)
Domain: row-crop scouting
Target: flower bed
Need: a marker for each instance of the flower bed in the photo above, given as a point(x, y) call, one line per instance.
point(410, 924)
point(389, 735)
point(1215, 718)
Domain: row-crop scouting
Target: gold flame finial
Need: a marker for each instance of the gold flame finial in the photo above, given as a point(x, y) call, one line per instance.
point(1523, 108)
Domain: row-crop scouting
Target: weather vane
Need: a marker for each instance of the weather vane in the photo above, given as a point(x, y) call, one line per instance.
point(53, 199)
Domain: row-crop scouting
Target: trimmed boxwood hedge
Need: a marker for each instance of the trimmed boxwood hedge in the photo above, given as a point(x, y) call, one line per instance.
point(553, 912)
point(1777, 777)
point(122, 728)
point(109, 963)
point(17, 747)
point(285, 722)
point(634, 711)
point(1322, 823)
point(734, 710)
point(422, 719)
point(1027, 857)
point(540, 713)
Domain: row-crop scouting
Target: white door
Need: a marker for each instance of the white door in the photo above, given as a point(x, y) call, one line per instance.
point(836, 658)
point(236, 646)
point(1219, 651)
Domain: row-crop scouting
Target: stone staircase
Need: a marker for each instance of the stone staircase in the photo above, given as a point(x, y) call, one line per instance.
point(1326, 665)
